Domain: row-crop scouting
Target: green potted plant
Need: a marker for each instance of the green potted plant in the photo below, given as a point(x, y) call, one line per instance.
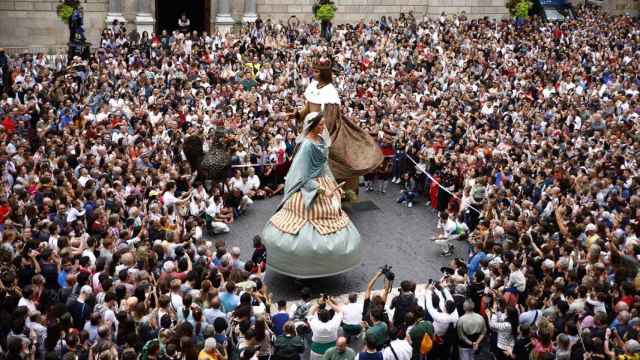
point(65, 10)
point(519, 10)
point(522, 9)
point(324, 11)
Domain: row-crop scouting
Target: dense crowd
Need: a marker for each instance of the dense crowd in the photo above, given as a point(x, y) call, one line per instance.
point(524, 136)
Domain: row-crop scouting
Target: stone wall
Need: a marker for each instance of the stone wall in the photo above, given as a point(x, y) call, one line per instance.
point(355, 10)
point(35, 24)
point(348, 10)
point(473, 8)
point(630, 7)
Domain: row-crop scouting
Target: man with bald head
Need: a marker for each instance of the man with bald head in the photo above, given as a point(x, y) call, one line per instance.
point(214, 311)
point(339, 352)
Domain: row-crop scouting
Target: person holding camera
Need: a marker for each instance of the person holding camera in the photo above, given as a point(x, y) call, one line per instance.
point(378, 299)
point(503, 320)
point(324, 320)
point(404, 303)
point(445, 318)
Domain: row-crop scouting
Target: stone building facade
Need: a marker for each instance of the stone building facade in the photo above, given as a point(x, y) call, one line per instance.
point(34, 24)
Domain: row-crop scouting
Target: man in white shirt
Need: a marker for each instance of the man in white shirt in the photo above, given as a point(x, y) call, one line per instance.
point(169, 199)
point(446, 313)
point(35, 324)
point(73, 214)
point(352, 316)
point(449, 233)
point(28, 295)
point(214, 222)
point(398, 349)
point(238, 183)
point(517, 280)
point(103, 114)
point(324, 327)
point(252, 183)
point(175, 296)
point(84, 177)
point(108, 313)
point(443, 318)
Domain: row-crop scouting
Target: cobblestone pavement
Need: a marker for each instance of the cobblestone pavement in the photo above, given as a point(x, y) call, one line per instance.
point(392, 234)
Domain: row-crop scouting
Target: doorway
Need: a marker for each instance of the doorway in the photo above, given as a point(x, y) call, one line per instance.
point(168, 12)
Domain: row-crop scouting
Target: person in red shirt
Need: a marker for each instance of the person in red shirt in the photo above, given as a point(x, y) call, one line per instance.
point(9, 125)
point(5, 211)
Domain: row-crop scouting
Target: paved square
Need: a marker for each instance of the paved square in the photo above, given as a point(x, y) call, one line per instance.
point(393, 234)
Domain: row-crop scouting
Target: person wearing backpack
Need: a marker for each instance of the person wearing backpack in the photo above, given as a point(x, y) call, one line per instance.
point(301, 310)
point(421, 334)
point(403, 303)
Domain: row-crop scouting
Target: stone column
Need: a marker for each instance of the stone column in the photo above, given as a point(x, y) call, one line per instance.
point(115, 12)
point(250, 14)
point(224, 21)
point(144, 18)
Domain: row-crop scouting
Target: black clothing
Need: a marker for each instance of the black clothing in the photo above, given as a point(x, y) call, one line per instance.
point(523, 348)
point(403, 303)
point(80, 312)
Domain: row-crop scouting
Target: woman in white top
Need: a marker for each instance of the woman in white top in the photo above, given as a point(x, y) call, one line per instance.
point(505, 324)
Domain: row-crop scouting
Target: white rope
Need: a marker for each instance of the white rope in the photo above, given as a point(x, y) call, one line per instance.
point(388, 156)
point(438, 183)
point(251, 165)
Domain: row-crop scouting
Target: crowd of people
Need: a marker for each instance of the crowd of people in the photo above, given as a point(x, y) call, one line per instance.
point(523, 136)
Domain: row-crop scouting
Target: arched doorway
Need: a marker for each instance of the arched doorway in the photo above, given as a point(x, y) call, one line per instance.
point(168, 12)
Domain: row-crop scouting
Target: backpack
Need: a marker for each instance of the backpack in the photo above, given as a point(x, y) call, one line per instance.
point(425, 345)
point(301, 311)
point(404, 304)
